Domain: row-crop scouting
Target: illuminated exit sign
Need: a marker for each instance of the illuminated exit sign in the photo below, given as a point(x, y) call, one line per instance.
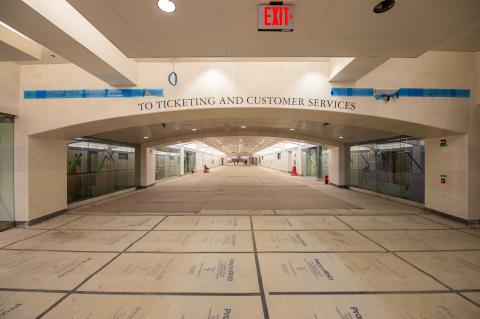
point(275, 17)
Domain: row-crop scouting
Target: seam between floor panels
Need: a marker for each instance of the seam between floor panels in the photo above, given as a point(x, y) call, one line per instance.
point(96, 272)
point(259, 273)
point(422, 271)
point(41, 233)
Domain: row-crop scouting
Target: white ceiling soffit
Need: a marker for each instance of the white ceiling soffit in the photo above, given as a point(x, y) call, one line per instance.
point(232, 129)
point(16, 47)
point(56, 25)
point(328, 28)
point(467, 41)
point(352, 69)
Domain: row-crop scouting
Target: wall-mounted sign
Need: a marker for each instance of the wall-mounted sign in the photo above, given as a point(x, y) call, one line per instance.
point(258, 101)
point(275, 17)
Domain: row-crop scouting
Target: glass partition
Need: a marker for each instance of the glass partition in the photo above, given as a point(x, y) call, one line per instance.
point(393, 167)
point(96, 168)
point(189, 161)
point(167, 162)
point(7, 212)
point(310, 161)
point(325, 162)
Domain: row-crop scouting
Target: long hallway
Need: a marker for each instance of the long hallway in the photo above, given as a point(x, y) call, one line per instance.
point(242, 242)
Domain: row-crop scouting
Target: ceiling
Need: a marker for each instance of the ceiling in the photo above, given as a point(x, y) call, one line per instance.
point(468, 41)
point(226, 28)
point(47, 57)
point(225, 134)
point(240, 145)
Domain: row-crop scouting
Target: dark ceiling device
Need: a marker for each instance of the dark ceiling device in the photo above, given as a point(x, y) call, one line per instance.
point(384, 6)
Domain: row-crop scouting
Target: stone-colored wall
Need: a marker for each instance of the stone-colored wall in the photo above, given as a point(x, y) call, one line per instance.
point(202, 158)
point(272, 161)
point(290, 79)
point(451, 160)
point(336, 172)
point(284, 164)
point(147, 166)
point(474, 166)
point(477, 58)
point(47, 178)
point(35, 164)
point(9, 88)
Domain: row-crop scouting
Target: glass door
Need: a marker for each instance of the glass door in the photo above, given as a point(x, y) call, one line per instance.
point(7, 212)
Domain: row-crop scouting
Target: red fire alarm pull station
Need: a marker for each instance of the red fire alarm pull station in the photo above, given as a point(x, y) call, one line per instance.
point(443, 142)
point(275, 17)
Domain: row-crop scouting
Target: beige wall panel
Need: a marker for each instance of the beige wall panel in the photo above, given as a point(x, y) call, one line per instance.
point(9, 88)
point(452, 160)
point(474, 169)
point(47, 178)
point(296, 79)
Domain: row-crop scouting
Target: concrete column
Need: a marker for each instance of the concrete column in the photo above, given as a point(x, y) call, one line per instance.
point(451, 163)
point(147, 166)
point(40, 175)
point(337, 173)
point(474, 174)
point(459, 164)
point(182, 160)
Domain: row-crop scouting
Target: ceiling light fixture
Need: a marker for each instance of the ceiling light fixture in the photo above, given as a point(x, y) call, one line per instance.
point(243, 126)
point(146, 137)
point(384, 6)
point(167, 6)
point(292, 129)
point(194, 129)
point(340, 137)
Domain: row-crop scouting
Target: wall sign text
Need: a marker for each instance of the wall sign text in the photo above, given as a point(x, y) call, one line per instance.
point(249, 100)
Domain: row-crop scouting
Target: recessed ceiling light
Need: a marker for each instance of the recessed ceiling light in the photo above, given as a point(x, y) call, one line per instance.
point(384, 6)
point(243, 126)
point(167, 6)
point(194, 129)
point(292, 129)
point(340, 137)
point(146, 137)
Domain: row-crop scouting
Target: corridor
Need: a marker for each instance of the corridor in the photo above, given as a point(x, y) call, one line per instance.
point(242, 242)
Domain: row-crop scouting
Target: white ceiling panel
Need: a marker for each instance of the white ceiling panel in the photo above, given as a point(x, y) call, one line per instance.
point(227, 28)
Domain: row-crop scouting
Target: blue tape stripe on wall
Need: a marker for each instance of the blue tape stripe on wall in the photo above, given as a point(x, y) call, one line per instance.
point(434, 93)
point(411, 92)
point(351, 92)
point(91, 94)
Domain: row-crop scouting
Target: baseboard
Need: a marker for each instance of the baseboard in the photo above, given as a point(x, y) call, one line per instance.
point(340, 186)
point(41, 219)
point(7, 225)
point(392, 198)
point(145, 187)
point(453, 218)
point(99, 198)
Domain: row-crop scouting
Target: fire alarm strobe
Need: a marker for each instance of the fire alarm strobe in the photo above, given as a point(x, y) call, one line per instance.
point(276, 16)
